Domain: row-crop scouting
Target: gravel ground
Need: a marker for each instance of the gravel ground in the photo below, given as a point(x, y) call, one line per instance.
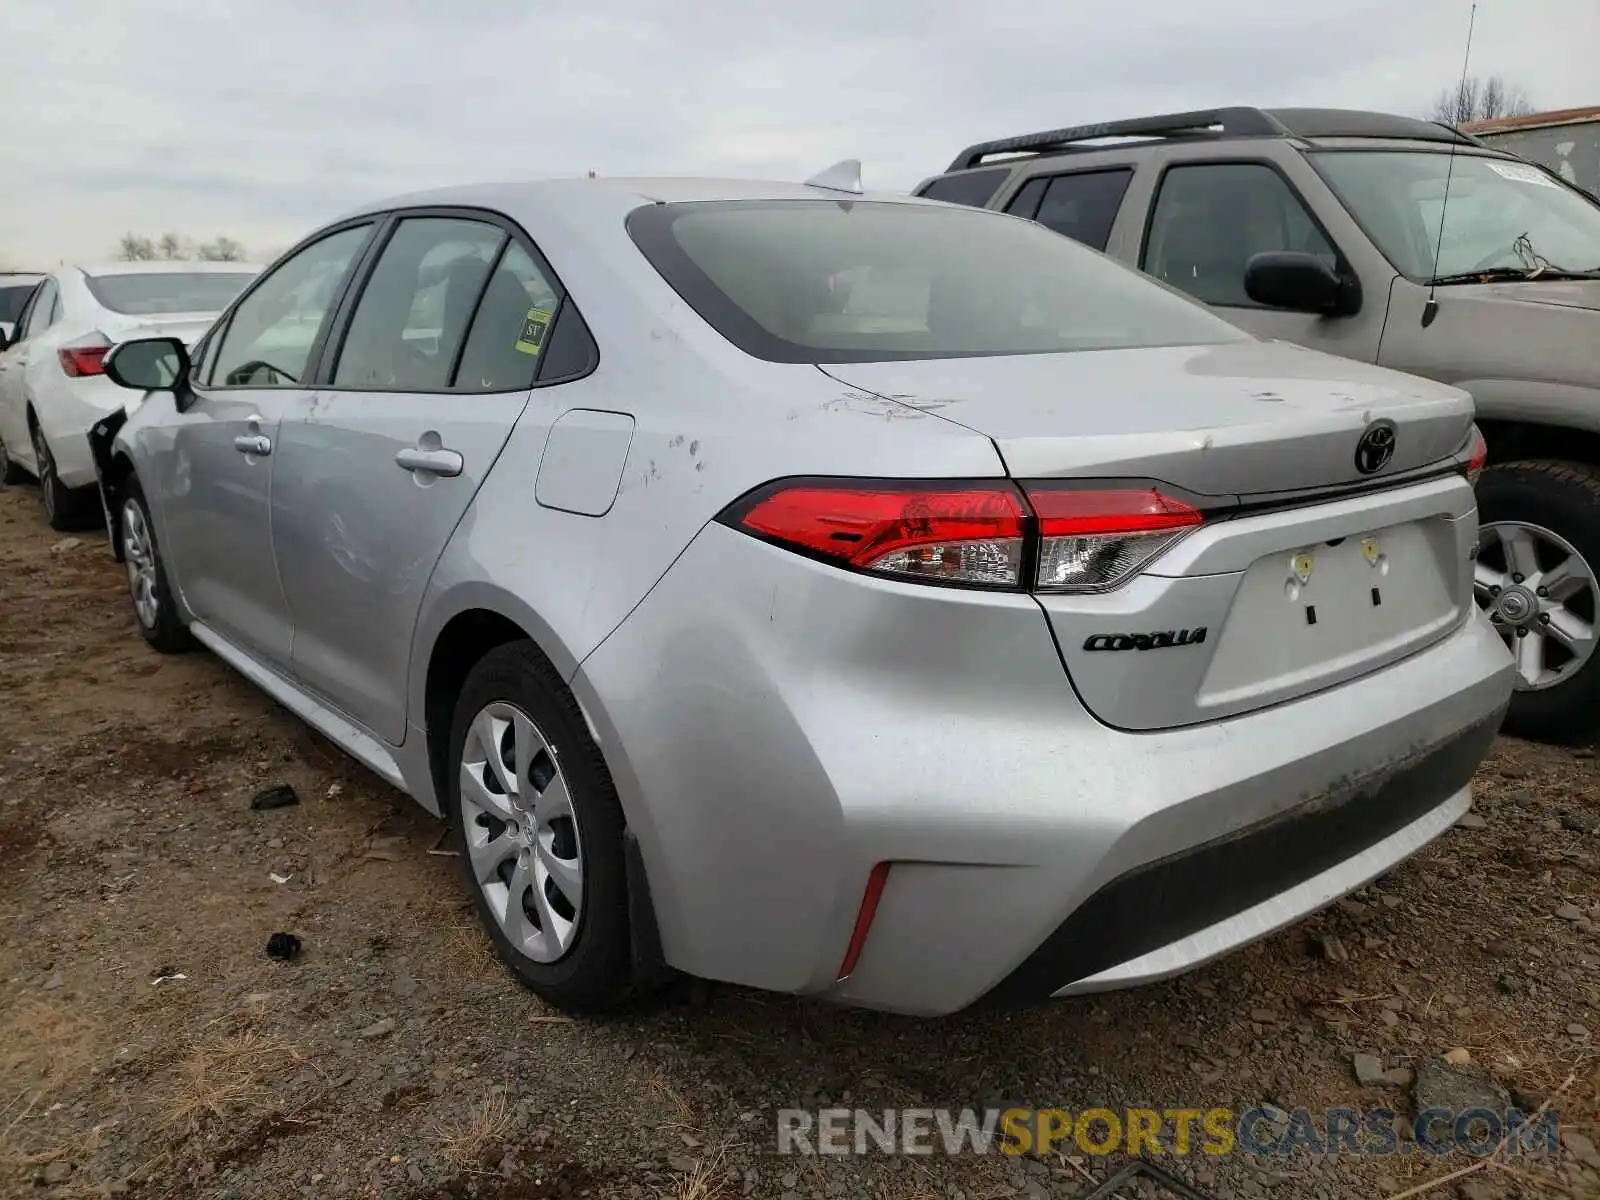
point(149, 1045)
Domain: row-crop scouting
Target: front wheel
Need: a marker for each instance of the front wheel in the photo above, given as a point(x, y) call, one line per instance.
point(1536, 578)
point(541, 831)
point(153, 607)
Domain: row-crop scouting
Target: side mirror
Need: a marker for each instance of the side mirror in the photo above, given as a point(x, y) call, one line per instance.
point(1300, 282)
point(149, 365)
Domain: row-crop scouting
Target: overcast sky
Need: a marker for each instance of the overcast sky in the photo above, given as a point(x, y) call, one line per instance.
point(262, 120)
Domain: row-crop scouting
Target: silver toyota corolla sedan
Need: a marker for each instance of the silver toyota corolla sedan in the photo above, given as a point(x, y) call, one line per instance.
point(829, 592)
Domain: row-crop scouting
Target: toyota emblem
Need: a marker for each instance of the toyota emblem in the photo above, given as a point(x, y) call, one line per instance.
point(1375, 448)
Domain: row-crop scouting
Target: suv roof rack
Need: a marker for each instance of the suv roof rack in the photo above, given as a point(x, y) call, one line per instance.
point(1218, 123)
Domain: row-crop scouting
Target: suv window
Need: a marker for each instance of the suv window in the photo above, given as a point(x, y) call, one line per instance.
point(509, 332)
point(415, 307)
point(269, 337)
point(972, 189)
point(1084, 206)
point(1209, 219)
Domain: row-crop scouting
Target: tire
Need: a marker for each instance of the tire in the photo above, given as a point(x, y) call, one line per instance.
point(1555, 506)
point(10, 473)
point(576, 956)
point(64, 508)
point(154, 610)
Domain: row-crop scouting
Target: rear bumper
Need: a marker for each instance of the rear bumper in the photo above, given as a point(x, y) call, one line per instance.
point(777, 728)
point(66, 414)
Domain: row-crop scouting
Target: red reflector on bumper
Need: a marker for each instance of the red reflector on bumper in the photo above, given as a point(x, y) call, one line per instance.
point(869, 909)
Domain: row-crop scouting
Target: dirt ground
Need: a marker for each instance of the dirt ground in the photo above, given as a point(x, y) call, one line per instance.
point(149, 1046)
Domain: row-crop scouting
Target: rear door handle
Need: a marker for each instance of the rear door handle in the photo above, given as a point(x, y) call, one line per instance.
point(257, 444)
point(435, 462)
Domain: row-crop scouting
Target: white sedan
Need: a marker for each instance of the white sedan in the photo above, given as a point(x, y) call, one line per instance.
point(52, 386)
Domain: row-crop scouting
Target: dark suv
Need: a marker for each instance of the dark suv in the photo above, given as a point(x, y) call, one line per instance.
point(1323, 227)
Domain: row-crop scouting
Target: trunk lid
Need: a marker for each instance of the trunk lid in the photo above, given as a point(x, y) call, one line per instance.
point(188, 328)
point(1239, 419)
point(1260, 605)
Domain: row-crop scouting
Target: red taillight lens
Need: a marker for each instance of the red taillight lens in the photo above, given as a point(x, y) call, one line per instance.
point(1478, 456)
point(939, 533)
point(1093, 540)
point(85, 357)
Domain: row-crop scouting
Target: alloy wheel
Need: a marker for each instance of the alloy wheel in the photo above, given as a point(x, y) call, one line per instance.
point(139, 554)
point(45, 469)
point(521, 834)
point(1541, 596)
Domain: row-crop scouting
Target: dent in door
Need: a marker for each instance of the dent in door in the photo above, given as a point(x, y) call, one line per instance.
point(583, 460)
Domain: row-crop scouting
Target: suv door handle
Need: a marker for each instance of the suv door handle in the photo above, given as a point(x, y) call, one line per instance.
point(436, 462)
point(258, 445)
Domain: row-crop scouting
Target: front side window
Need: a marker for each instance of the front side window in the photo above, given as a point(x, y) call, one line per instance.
point(161, 292)
point(824, 281)
point(270, 334)
point(1211, 218)
point(1501, 214)
point(414, 310)
point(13, 298)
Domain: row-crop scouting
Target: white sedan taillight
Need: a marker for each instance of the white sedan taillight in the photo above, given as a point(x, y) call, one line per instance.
point(1092, 541)
point(86, 356)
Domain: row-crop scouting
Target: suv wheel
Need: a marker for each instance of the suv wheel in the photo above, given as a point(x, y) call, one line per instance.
point(153, 607)
point(1538, 579)
point(541, 830)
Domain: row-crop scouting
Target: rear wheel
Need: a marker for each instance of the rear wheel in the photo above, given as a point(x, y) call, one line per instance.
point(541, 831)
point(63, 507)
point(153, 607)
point(1538, 579)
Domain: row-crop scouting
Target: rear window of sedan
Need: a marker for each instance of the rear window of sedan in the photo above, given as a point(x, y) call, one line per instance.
point(153, 293)
point(865, 281)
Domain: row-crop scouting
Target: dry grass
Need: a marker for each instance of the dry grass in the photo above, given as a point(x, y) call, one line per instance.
point(684, 1111)
point(469, 1145)
point(227, 1076)
point(707, 1181)
point(43, 1045)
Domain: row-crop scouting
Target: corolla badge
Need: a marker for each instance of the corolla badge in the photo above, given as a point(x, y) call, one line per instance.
point(1376, 447)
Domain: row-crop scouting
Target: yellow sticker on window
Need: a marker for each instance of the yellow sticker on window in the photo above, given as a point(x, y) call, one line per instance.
point(534, 326)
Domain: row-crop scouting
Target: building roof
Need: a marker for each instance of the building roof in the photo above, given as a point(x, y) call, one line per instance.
point(1560, 116)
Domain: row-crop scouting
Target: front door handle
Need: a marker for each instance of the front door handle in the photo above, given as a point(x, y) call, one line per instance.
point(257, 444)
point(435, 462)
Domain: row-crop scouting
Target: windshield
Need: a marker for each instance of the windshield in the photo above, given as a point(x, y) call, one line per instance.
point(1502, 213)
point(12, 297)
point(840, 281)
point(153, 293)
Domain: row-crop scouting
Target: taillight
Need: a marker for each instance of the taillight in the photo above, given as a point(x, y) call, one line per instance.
point(956, 533)
point(1093, 540)
point(1477, 457)
point(975, 534)
point(85, 356)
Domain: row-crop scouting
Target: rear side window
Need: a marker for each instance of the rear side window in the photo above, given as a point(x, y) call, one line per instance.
point(1084, 207)
point(152, 293)
point(827, 281)
point(511, 331)
point(416, 305)
point(972, 188)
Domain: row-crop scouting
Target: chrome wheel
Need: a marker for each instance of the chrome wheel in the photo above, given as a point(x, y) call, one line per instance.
point(1541, 595)
point(139, 553)
point(45, 468)
point(520, 832)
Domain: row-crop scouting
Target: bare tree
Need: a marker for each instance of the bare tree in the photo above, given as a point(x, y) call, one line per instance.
point(170, 246)
point(1475, 99)
point(134, 248)
point(223, 249)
